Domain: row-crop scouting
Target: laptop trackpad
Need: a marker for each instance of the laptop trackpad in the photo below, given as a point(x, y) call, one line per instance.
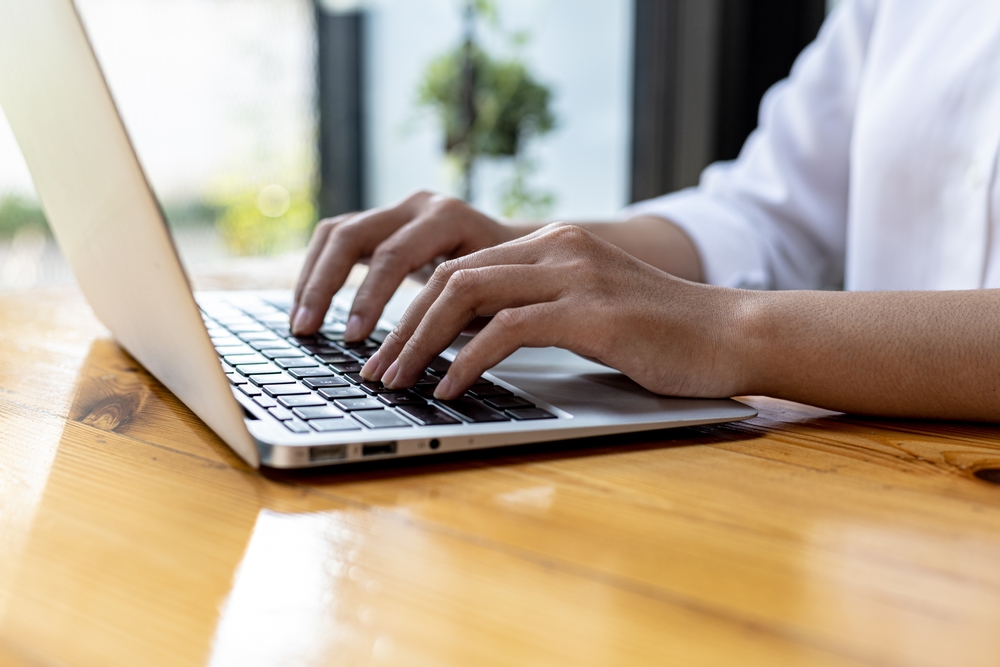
point(579, 386)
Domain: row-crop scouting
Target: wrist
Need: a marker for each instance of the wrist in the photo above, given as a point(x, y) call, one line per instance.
point(750, 337)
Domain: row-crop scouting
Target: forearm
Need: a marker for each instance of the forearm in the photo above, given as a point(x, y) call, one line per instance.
point(901, 354)
point(648, 238)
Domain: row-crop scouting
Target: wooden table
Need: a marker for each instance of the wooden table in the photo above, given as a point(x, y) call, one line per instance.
point(130, 535)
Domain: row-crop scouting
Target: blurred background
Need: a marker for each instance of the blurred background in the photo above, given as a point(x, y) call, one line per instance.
point(255, 118)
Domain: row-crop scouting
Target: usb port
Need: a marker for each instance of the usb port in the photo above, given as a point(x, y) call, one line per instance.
point(327, 453)
point(378, 449)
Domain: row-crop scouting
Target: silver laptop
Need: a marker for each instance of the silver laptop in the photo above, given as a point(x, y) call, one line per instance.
point(276, 400)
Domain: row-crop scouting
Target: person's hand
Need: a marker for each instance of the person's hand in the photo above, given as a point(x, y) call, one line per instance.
point(563, 286)
point(396, 241)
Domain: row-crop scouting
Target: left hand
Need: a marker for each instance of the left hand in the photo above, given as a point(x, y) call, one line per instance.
point(563, 286)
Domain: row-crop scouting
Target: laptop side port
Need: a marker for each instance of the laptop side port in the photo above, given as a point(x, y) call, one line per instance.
point(323, 453)
point(378, 449)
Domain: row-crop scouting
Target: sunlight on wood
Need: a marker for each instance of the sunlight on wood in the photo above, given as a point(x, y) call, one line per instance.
point(129, 534)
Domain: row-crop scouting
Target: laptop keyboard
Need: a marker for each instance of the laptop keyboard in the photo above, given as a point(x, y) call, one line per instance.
point(313, 383)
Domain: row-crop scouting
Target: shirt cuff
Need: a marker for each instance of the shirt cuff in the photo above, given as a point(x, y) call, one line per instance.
point(729, 248)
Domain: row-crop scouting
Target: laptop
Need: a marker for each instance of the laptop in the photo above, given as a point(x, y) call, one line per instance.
point(276, 400)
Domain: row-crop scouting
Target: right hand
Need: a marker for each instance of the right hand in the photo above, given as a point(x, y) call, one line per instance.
point(396, 241)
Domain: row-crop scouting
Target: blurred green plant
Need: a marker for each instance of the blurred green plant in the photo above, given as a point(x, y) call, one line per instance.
point(190, 213)
point(517, 200)
point(17, 212)
point(489, 107)
point(266, 221)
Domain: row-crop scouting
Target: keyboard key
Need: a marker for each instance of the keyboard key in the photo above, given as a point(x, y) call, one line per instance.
point(311, 372)
point(381, 419)
point(474, 411)
point(296, 425)
point(525, 414)
point(326, 347)
point(360, 345)
point(283, 353)
point(276, 318)
point(245, 328)
point(320, 412)
point(352, 367)
point(333, 328)
point(227, 350)
point(488, 391)
point(239, 359)
point(323, 382)
point(336, 358)
point(250, 390)
point(373, 388)
point(508, 402)
point(439, 366)
point(329, 425)
point(302, 362)
point(301, 401)
point(272, 378)
point(427, 415)
point(281, 413)
point(352, 404)
point(265, 402)
point(334, 393)
point(225, 341)
point(257, 335)
point(276, 390)
point(425, 389)
point(400, 398)
point(280, 330)
point(305, 340)
point(275, 344)
point(257, 369)
point(236, 378)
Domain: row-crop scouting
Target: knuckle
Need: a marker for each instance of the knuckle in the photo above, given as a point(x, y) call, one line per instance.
point(345, 234)
point(388, 254)
point(571, 233)
point(443, 203)
point(510, 321)
point(421, 193)
point(446, 268)
point(463, 282)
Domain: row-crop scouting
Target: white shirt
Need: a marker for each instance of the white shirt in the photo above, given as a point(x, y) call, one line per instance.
point(875, 162)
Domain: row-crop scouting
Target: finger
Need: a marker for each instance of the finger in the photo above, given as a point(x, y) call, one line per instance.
point(345, 244)
point(470, 293)
point(536, 325)
point(320, 234)
point(319, 237)
point(414, 245)
point(515, 252)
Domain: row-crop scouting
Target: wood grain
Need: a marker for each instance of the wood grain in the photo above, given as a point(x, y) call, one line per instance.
point(130, 535)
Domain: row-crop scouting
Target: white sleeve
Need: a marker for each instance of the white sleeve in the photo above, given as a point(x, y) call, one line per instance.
point(776, 217)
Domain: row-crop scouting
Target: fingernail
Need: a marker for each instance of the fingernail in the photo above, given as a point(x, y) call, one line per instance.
point(390, 374)
point(301, 320)
point(368, 370)
point(443, 388)
point(353, 330)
